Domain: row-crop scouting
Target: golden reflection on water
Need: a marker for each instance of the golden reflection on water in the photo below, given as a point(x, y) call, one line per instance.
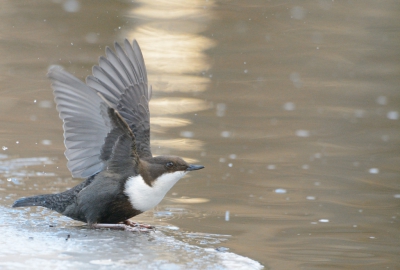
point(180, 144)
point(189, 200)
point(174, 53)
point(177, 105)
point(175, 58)
point(161, 124)
point(170, 122)
point(163, 9)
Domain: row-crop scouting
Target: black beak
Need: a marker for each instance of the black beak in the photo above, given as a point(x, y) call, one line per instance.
point(194, 167)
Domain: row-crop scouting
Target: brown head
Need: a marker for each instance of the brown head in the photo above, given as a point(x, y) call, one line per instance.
point(151, 169)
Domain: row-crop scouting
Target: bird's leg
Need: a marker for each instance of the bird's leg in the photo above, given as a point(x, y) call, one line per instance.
point(143, 227)
point(124, 226)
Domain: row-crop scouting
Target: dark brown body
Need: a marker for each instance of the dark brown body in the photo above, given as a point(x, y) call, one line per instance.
point(99, 199)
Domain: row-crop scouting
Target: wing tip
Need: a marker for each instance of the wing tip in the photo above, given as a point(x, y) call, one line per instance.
point(53, 70)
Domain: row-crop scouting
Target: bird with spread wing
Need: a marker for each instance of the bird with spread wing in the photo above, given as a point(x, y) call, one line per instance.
point(106, 126)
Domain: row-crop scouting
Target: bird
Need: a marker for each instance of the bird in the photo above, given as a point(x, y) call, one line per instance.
point(106, 123)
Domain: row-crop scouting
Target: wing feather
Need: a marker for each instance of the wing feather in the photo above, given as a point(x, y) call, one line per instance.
point(90, 138)
point(77, 103)
point(122, 79)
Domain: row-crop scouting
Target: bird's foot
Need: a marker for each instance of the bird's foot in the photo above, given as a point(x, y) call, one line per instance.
point(125, 226)
point(142, 227)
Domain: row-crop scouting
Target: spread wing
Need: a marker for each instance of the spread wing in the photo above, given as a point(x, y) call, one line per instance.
point(89, 136)
point(122, 79)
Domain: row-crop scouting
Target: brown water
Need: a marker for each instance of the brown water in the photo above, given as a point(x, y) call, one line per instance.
point(293, 108)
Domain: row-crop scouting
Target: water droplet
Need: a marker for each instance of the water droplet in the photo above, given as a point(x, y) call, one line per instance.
point(46, 142)
point(72, 6)
point(271, 167)
point(14, 181)
point(381, 100)
point(302, 133)
point(374, 170)
point(227, 216)
point(187, 134)
point(45, 104)
point(280, 191)
point(226, 134)
point(289, 106)
point(91, 37)
point(393, 115)
point(317, 155)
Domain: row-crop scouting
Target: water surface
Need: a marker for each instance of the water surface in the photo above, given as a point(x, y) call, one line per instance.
point(293, 108)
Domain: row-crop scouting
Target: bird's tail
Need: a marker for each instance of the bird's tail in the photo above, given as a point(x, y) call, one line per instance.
point(40, 200)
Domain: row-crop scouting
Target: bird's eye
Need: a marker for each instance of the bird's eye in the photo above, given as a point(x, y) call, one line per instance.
point(169, 165)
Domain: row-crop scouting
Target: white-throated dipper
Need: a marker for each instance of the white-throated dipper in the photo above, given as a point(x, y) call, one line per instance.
point(107, 139)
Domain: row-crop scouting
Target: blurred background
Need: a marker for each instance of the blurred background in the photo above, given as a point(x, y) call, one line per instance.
point(292, 107)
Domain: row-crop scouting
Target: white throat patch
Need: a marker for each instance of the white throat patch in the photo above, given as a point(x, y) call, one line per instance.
point(143, 197)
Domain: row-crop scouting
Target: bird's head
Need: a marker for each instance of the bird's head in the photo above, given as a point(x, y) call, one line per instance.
point(166, 168)
point(157, 176)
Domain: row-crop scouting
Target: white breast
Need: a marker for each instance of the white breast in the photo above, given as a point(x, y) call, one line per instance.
point(143, 197)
